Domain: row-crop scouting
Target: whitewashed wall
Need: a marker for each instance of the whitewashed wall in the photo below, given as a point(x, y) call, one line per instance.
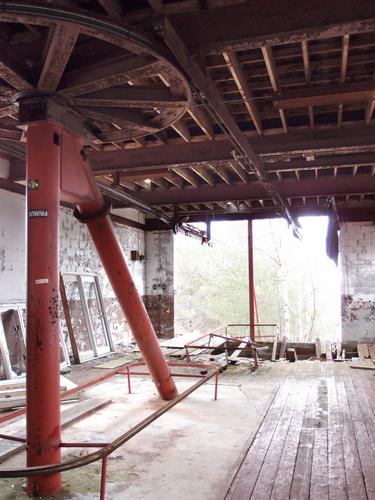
point(357, 251)
point(77, 254)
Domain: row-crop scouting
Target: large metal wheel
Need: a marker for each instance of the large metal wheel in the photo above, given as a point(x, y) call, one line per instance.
point(122, 84)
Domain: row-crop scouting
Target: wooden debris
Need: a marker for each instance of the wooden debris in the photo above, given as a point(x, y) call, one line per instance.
point(363, 351)
point(282, 347)
point(274, 348)
point(318, 347)
point(291, 355)
point(328, 351)
point(371, 350)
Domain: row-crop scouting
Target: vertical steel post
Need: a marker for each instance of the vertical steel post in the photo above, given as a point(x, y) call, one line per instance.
point(251, 278)
point(43, 348)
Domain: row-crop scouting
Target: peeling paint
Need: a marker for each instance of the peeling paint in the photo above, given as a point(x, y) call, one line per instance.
point(357, 250)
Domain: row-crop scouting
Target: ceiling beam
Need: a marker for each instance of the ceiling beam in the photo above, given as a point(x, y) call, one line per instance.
point(318, 141)
point(290, 188)
point(61, 42)
point(307, 69)
point(272, 73)
point(242, 85)
point(323, 96)
point(208, 92)
point(213, 34)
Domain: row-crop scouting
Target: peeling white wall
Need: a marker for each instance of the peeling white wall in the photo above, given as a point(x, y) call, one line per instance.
point(77, 254)
point(357, 253)
point(159, 263)
point(12, 248)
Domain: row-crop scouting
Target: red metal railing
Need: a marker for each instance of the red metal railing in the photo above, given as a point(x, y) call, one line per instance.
point(107, 448)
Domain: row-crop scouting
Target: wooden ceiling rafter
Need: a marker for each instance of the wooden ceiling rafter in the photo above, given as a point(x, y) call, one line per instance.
point(343, 72)
point(307, 69)
point(272, 73)
point(240, 80)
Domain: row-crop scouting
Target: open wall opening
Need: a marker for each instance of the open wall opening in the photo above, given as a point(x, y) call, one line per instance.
point(296, 285)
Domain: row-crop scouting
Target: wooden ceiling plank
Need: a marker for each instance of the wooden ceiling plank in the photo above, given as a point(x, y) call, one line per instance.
point(369, 111)
point(326, 95)
point(240, 171)
point(213, 34)
point(61, 43)
point(243, 87)
point(187, 175)
point(343, 71)
point(174, 179)
point(201, 119)
point(183, 130)
point(209, 91)
point(204, 174)
point(223, 174)
point(307, 69)
point(273, 76)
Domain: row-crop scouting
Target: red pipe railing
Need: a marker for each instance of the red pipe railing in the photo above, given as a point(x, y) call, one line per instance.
point(107, 448)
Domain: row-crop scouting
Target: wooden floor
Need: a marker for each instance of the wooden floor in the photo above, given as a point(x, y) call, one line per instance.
point(317, 439)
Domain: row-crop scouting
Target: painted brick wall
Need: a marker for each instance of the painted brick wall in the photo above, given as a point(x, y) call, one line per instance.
point(76, 255)
point(159, 287)
point(357, 251)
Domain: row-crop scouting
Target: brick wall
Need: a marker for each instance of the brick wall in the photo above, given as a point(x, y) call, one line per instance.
point(357, 252)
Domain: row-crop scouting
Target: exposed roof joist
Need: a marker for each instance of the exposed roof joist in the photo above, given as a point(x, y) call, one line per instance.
point(210, 94)
point(276, 22)
point(327, 186)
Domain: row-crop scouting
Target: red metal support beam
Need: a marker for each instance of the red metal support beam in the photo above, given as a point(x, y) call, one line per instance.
point(250, 249)
point(57, 169)
point(43, 348)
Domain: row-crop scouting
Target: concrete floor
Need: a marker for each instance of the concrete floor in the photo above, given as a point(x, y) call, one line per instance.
point(189, 453)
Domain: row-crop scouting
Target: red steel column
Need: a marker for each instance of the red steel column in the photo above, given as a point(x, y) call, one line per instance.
point(43, 348)
point(110, 253)
point(251, 279)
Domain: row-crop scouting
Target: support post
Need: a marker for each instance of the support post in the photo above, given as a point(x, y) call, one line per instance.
point(251, 278)
point(43, 336)
point(110, 253)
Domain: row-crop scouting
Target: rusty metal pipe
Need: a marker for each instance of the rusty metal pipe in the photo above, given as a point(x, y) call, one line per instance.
point(110, 252)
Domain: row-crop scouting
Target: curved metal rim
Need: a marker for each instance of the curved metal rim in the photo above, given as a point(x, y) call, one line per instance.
point(97, 27)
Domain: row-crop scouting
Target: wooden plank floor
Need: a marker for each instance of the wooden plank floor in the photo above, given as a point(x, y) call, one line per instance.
point(317, 439)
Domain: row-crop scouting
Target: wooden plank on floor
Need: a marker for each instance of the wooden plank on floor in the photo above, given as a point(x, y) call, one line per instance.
point(336, 464)
point(266, 478)
point(319, 466)
point(247, 476)
point(353, 472)
point(364, 447)
point(303, 467)
point(283, 478)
